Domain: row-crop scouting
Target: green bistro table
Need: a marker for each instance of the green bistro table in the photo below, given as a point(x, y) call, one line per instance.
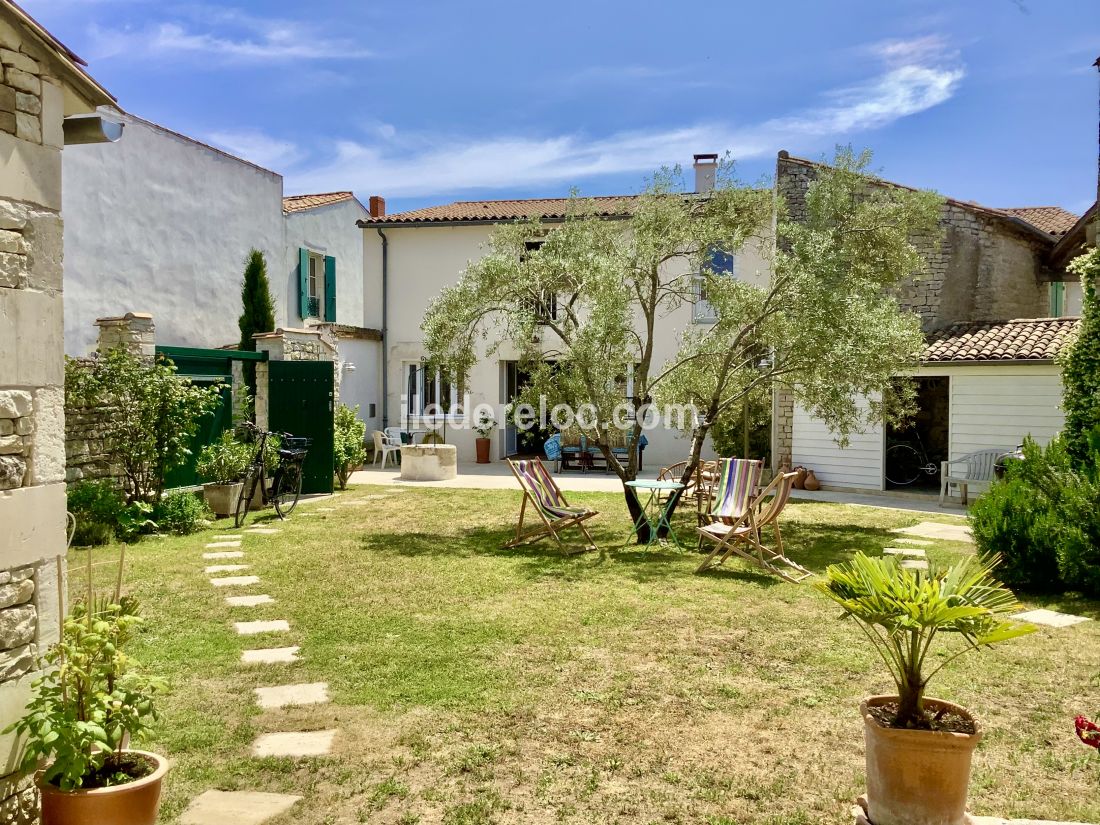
point(654, 513)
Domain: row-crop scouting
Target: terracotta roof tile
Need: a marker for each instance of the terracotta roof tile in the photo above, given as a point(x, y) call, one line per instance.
point(506, 210)
point(296, 203)
point(1025, 339)
point(1054, 220)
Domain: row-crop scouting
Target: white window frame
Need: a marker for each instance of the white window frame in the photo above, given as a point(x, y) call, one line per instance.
point(316, 283)
point(416, 403)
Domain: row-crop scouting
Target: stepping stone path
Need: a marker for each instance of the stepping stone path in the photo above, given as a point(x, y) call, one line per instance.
point(313, 743)
point(915, 564)
point(248, 601)
point(262, 531)
point(1051, 618)
point(225, 568)
point(235, 581)
point(237, 537)
point(224, 554)
point(326, 509)
point(216, 544)
point(935, 530)
point(269, 656)
point(269, 626)
point(918, 542)
point(237, 807)
point(285, 696)
point(911, 552)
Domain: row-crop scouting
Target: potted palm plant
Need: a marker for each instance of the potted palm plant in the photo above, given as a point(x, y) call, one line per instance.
point(91, 701)
point(221, 465)
point(484, 427)
point(918, 749)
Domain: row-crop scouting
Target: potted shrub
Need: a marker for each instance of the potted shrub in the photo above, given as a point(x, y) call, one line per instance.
point(222, 464)
point(486, 423)
point(91, 701)
point(918, 749)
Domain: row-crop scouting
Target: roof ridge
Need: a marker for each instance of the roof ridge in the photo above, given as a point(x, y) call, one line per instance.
point(319, 194)
point(531, 200)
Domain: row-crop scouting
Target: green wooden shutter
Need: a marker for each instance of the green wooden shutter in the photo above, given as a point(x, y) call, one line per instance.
point(303, 283)
point(330, 288)
point(1057, 298)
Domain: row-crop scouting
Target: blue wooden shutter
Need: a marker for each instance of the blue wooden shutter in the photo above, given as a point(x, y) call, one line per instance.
point(330, 288)
point(303, 283)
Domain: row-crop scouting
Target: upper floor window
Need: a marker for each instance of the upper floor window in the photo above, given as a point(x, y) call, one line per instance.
point(719, 262)
point(316, 285)
point(546, 305)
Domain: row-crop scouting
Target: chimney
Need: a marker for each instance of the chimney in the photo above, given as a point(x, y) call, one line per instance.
point(706, 169)
point(377, 206)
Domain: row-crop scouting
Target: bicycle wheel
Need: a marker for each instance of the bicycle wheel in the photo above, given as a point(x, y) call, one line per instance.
point(903, 465)
point(287, 488)
point(247, 492)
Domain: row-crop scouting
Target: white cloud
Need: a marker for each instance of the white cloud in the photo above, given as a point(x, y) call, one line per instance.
point(251, 40)
point(440, 164)
point(263, 150)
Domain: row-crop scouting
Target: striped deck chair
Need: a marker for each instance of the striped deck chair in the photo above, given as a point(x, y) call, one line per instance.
point(742, 536)
point(549, 503)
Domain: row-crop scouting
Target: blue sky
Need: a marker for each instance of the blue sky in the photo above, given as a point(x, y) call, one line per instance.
point(427, 102)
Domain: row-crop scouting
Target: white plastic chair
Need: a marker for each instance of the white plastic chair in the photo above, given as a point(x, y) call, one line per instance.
point(967, 470)
point(384, 445)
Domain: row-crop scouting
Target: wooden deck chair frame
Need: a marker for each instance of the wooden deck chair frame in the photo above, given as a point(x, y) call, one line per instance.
point(742, 536)
point(550, 527)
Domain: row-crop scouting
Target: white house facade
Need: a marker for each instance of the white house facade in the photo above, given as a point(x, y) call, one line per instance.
point(417, 254)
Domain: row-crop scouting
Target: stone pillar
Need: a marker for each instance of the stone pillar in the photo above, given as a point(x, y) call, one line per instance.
point(39, 85)
point(134, 332)
point(32, 431)
point(782, 426)
point(291, 345)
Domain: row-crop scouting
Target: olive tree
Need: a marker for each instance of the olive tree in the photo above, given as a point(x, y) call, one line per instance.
point(825, 323)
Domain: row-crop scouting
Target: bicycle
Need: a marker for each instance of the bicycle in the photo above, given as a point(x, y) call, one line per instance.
point(286, 485)
point(905, 463)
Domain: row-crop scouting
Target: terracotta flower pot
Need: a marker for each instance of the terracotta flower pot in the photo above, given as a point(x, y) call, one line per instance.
point(482, 445)
point(917, 777)
point(810, 482)
point(134, 803)
point(799, 480)
point(222, 498)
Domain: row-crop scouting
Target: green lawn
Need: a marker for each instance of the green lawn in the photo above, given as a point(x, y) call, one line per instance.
point(473, 684)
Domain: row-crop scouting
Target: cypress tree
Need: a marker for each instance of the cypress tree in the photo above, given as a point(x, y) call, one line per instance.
point(1081, 366)
point(259, 310)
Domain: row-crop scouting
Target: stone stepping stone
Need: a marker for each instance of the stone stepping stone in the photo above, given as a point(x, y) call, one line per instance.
point(270, 656)
point(266, 626)
point(236, 807)
point(236, 537)
point(248, 601)
point(262, 531)
point(285, 696)
point(1050, 618)
point(313, 743)
point(214, 545)
point(224, 554)
point(918, 542)
point(225, 568)
point(935, 530)
point(911, 552)
point(915, 564)
point(235, 581)
point(326, 510)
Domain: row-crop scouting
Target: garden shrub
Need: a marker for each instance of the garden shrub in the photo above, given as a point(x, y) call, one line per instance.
point(96, 505)
point(349, 450)
point(1043, 520)
point(224, 461)
point(182, 514)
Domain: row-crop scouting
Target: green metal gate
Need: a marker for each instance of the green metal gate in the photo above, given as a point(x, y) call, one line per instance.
point(205, 367)
point(300, 398)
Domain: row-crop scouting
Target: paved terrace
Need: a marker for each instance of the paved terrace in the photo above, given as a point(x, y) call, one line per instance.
point(497, 476)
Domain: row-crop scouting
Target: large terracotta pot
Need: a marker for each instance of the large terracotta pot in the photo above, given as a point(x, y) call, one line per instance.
point(222, 498)
point(482, 445)
point(134, 803)
point(917, 777)
point(810, 482)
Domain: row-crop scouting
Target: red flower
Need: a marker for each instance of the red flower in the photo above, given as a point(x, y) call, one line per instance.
point(1087, 732)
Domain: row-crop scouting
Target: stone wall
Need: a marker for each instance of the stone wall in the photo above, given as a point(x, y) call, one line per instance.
point(38, 87)
point(291, 345)
point(982, 268)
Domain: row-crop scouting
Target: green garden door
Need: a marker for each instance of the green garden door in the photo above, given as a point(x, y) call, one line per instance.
point(300, 402)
